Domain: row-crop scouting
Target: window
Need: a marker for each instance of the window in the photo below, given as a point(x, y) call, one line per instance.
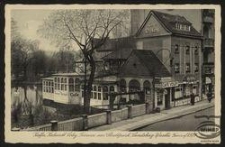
point(77, 84)
point(123, 86)
point(99, 92)
point(105, 93)
point(95, 88)
point(187, 50)
point(183, 27)
point(196, 67)
point(95, 95)
point(196, 50)
point(111, 88)
point(176, 49)
point(146, 86)
point(99, 96)
point(159, 98)
point(177, 67)
point(187, 67)
point(48, 86)
point(71, 84)
point(99, 88)
point(44, 86)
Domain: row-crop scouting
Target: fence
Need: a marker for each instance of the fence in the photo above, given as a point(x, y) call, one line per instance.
point(85, 122)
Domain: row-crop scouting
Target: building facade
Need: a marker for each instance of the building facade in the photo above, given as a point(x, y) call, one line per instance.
point(161, 62)
point(178, 45)
point(208, 26)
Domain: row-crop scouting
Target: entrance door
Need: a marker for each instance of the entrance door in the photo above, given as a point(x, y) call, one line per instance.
point(167, 99)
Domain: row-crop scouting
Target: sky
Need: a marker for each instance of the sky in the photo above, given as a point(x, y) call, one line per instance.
point(28, 22)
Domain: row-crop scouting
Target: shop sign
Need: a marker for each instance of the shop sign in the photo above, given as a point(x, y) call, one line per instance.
point(74, 94)
point(189, 79)
point(208, 80)
point(61, 93)
point(170, 84)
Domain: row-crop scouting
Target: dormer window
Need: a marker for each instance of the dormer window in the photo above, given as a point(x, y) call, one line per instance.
point(183, 27)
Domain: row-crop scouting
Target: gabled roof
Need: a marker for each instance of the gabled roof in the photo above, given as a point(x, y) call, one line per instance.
point(151, 63)
point(168, 21)
point(116, 43)
point(119, 54)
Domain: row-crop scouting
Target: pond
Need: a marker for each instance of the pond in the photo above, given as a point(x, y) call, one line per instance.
point(29, 109)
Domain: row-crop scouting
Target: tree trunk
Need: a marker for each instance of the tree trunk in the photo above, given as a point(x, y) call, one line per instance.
point(89, 85)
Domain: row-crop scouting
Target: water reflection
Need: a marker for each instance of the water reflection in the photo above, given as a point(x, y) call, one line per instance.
point(29, 109)
point(23, 93)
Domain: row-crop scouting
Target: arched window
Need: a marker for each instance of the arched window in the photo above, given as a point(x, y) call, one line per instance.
point(123, 85)
point(71, 84)
point(105, 93)
point(134, 85)
point(77, 84)
point(99, 88)
point(111, 89)
point(95, 88)
point(147, 87)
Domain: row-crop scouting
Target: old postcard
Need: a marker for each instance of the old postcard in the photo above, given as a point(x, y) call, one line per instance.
point(112, 74)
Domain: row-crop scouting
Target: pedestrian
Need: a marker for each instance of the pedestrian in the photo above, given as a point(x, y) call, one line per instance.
point(209, 96)
point(192, 99)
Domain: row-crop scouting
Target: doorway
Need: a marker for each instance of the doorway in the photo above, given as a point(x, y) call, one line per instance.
point(167, 98)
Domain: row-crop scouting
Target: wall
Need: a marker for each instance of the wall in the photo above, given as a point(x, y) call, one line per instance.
point(49, 96)
point(153, 27)
point(160, 45)
point(138, 110)
point(71, 125)
point(183, 58)
point(97, 120)
point(119, 115)
point(61, 97)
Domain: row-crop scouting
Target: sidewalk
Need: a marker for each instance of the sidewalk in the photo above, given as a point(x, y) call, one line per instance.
point(147, 119)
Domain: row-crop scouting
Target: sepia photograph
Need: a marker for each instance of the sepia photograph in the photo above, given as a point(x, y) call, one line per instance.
point(149, 72)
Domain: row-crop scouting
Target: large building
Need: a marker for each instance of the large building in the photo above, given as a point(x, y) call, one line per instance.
point(203, 20)
point(208, 27)
point(161, 62)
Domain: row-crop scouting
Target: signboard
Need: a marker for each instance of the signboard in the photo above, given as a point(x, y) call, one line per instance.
point(74, 94)
point(61, 93)
point(189, 79)
point(170, 84)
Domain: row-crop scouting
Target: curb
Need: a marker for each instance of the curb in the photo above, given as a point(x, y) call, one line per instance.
point(172, 117)
point(146, 123)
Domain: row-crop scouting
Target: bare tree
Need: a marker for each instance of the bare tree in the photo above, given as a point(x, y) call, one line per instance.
point(88, 29)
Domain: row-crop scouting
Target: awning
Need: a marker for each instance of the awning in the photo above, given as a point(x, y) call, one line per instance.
point(208, 80)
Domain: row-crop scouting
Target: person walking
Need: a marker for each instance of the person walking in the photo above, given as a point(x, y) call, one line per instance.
point(209, 96)
point(192, 99)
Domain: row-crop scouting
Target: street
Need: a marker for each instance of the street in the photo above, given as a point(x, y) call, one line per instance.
point(183, 123)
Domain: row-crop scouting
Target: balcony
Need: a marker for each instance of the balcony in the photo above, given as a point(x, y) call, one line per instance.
point(208, 68)
point(208, 43)
point(208, 19)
